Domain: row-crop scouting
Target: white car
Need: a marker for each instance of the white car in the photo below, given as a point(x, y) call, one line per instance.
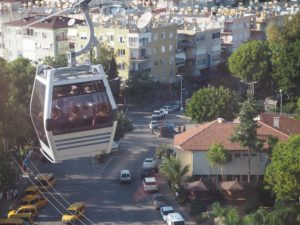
point(150, 163)
point(156, 115)
point(175, 218)
point(165, 210)
point(150, 184)
point(153, 124)
point(167, 108)
point(125, 176)
point(164, 110)
point(114, 146)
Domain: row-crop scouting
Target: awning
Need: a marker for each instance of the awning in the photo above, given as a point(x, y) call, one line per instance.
point(180, 55)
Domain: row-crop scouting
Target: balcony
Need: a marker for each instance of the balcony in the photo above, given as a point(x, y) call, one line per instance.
point(226, 32)
point(61, 38)
point(140, 58)
point(185, 43)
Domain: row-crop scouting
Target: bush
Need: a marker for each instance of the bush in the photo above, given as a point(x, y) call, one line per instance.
point(124, 126)
point(197, 207)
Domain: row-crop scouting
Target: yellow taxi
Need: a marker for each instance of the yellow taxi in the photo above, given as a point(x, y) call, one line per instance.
point(76, 211)
point(13, 222)
point(45, 181)
point(25, 212)
point(36, 200)
point(31, 190)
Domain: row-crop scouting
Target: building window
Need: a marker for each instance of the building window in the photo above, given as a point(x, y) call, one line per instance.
point(200, 39)
point(171, 48)
point(121, 66)
point(229, 158)
point(171, 34)
point(154, 51)
point(110, 37)
point(29, 32)
point(245, 155)
point(155, 63)
point(163, 49)
point(143, 41)
point(18, 32)
point(215, 35)
point(155, 37)
point(133, 41)
point(121, 52)
point(216, 58)
point(201, 62)
point(121, 39)
point(163, 35)
point(44, 35)
point(237, 155)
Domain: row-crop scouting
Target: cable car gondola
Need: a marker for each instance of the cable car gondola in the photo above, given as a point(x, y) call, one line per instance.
point(72, 108)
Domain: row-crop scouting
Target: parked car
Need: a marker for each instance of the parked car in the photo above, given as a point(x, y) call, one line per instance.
point(153, 124)
point(167, 131)
point(158, 200)
point(150, 184)
point(150, 163)
point(125, 176)
point(25, 212)
point(36, 200)
point(45, 181)
point(147, 172)
point(175, 219)
point(76, 211)
point(164, 111)
point(167, 108)
point(156, 115)
point(114, 146)
point(165, 210)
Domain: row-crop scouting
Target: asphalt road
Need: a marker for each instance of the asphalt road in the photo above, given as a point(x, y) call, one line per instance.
point(96, 184)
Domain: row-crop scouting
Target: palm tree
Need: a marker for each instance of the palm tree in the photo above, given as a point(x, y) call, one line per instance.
point(260, 217)
point(173, 170)
point(225, 216)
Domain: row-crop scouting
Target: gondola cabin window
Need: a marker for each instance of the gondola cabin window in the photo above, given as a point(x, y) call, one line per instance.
point(80, 106)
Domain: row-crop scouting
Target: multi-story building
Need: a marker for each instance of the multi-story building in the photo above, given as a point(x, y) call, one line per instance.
point(236, 31)
point(202, 46)
point(35, 42)
point(9, 11)
point(150, 49)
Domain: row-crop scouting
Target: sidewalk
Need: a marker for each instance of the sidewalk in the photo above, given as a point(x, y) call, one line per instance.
point(165, 190)
point(7, 205)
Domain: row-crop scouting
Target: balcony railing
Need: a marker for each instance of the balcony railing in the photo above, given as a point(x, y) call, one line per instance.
point(140, 58)
point(61, 38)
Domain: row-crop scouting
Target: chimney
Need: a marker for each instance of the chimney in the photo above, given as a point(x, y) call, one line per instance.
point(276, 121)
point(220, 120)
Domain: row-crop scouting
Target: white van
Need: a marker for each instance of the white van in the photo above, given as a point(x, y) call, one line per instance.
point(175, 219)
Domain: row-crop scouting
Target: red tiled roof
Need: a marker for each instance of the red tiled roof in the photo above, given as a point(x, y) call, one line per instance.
point(287, 125)
point(55, 22)
point(203, 136)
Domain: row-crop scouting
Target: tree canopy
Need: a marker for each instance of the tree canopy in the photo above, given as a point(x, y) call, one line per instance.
point(251, 61)
point(56, 62)
point(210, 103)
point(282, 174)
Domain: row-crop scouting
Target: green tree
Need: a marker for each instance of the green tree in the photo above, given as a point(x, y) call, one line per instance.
point(246, 133)
point(251, 61)
point(124, 126)
point(56, 62)
point(163, 150)
point(225, 216)
point(260, 217)
point(7, 171)
point(282, 174)
point(217, 156)
point(210, 103)
point(286, 68)
point(106, 57)
point(20, 82)
point(173, 170)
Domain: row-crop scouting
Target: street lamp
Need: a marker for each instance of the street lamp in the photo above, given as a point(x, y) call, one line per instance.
point(280, 101)
point(180, 77)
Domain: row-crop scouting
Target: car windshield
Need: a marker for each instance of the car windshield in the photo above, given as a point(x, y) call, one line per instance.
point(125, 175)
point(148, 160)
point(150, 183)
point(166, 212)
point(179, 223)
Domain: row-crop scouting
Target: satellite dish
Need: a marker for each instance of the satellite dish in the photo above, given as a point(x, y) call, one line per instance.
point(71, 22)
point(144, 20)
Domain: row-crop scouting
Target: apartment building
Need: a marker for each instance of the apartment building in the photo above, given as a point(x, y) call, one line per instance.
point(46, 38)
point(9, 11)
point(202, 47)
point(151, 49)
point(236, 31)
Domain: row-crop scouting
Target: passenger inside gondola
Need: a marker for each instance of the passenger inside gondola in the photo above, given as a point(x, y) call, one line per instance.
point(60, 122)
point(102, 115)
point(76, 117)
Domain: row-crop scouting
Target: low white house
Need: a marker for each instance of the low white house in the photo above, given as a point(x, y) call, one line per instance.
point(192, 147)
